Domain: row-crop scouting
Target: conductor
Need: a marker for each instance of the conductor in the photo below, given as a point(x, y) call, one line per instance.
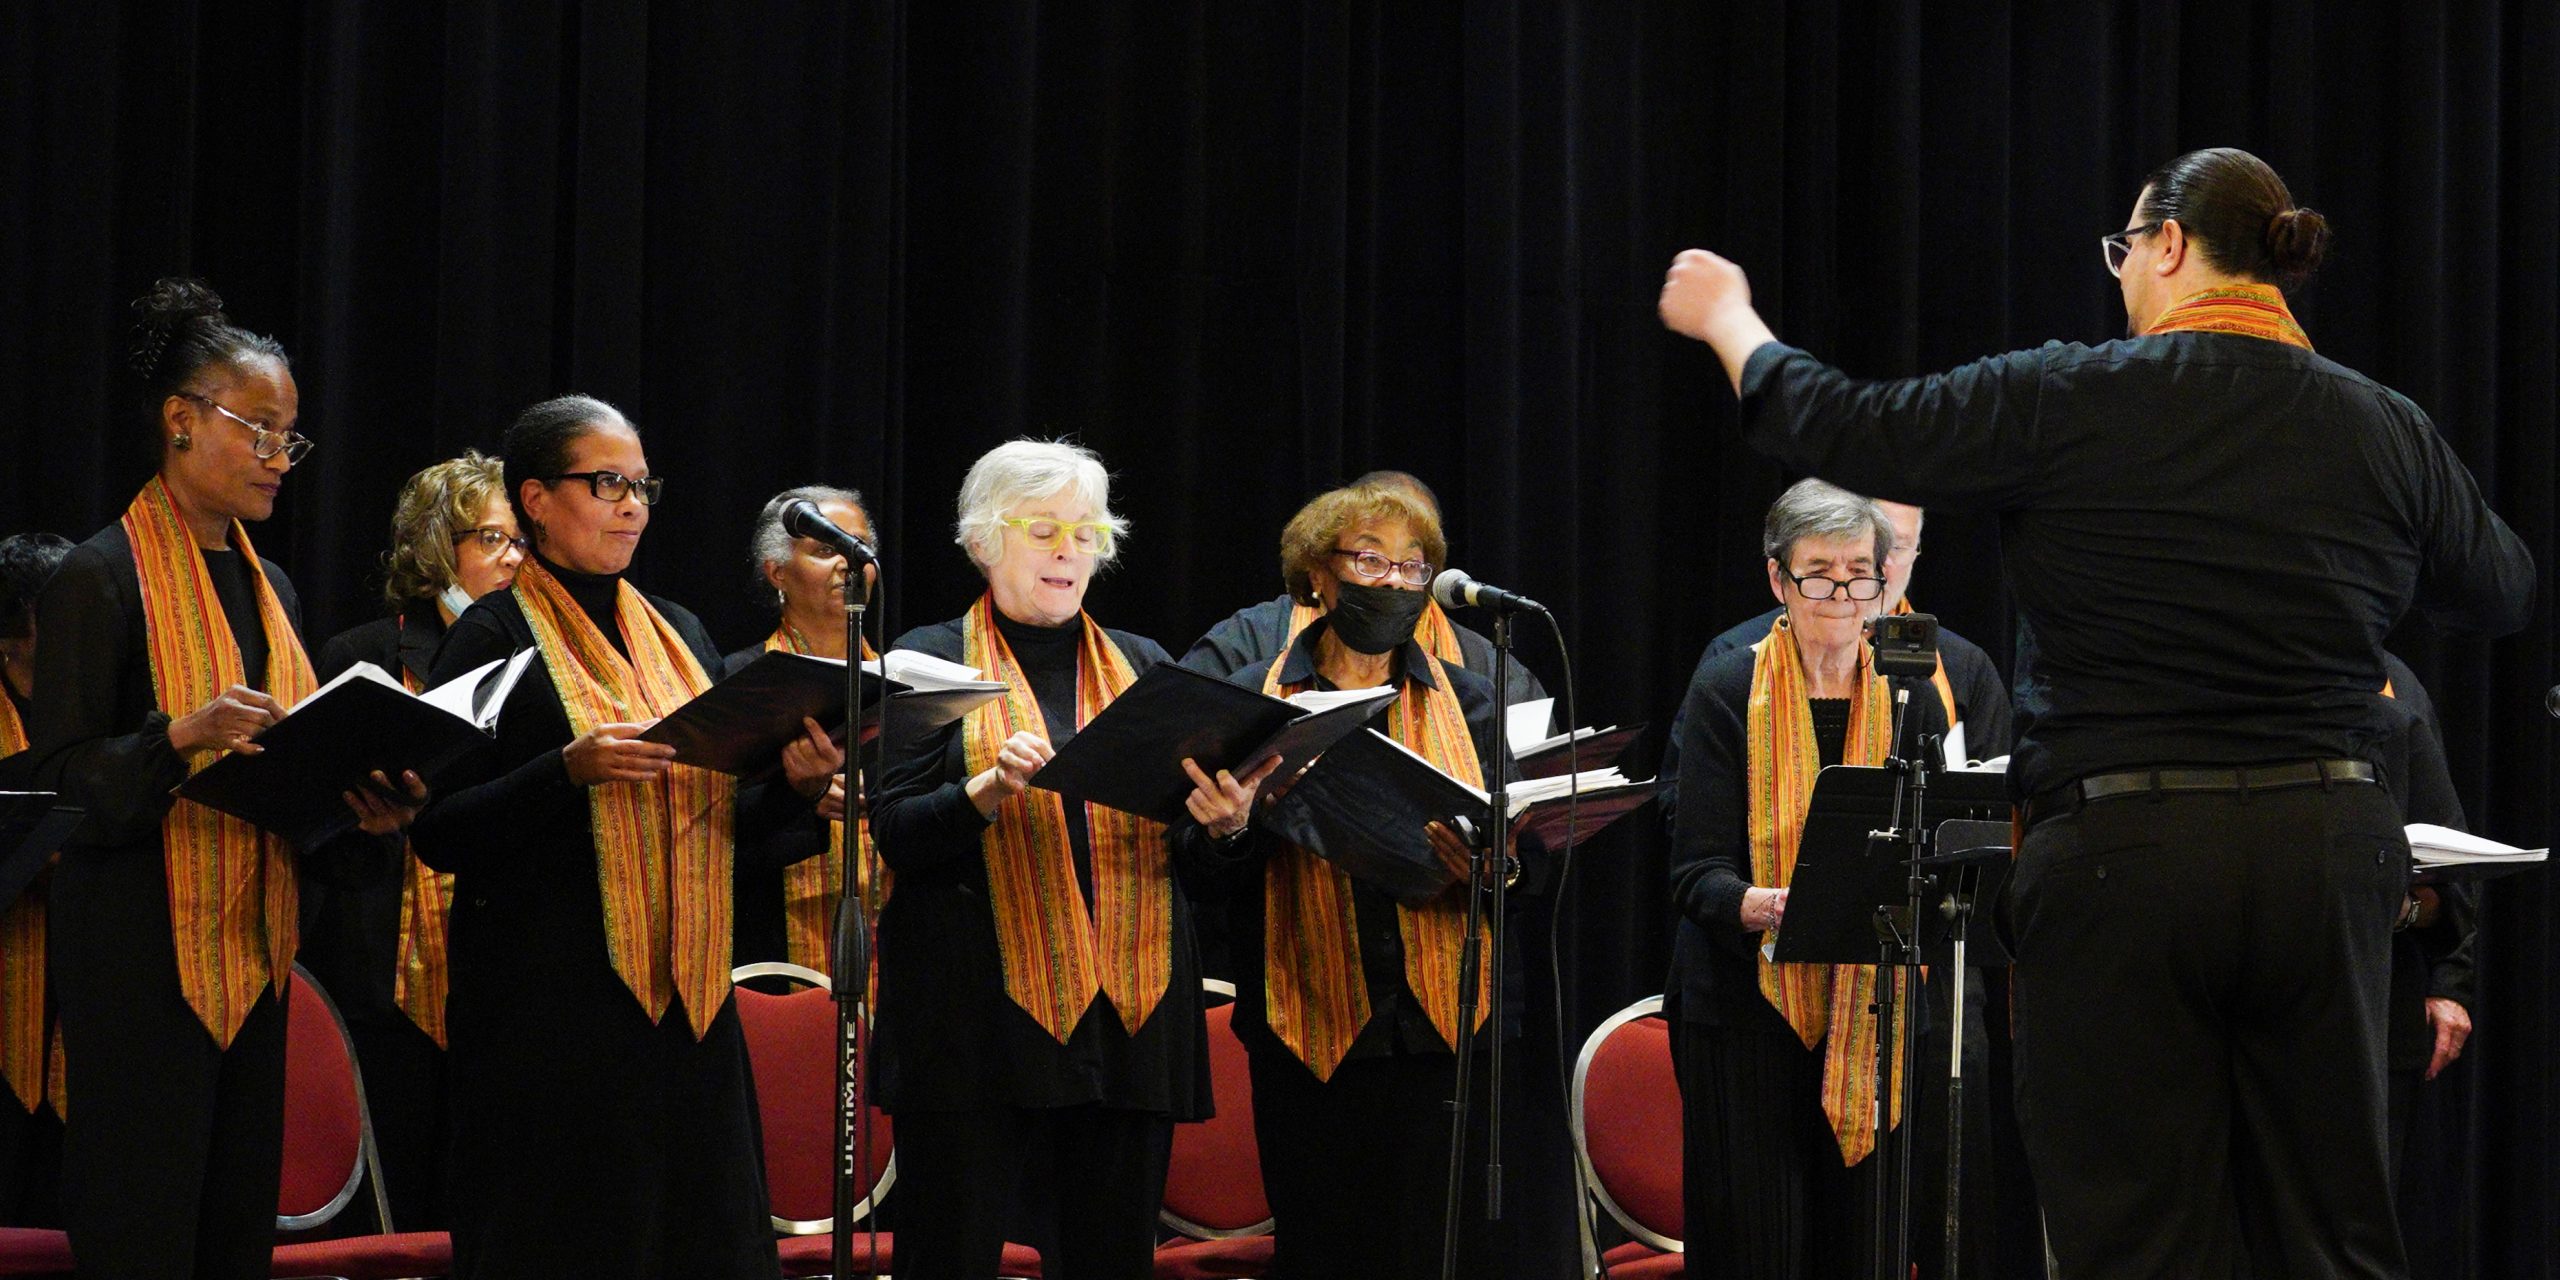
point(2208, 529)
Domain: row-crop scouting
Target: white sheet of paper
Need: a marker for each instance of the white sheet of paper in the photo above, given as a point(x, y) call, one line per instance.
point(1955, 746)
point(1525, 723)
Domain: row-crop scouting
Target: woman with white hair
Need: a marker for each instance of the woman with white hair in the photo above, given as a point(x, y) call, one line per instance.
point(1039, 991)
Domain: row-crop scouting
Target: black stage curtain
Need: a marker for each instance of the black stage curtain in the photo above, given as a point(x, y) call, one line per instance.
point(1247, 250)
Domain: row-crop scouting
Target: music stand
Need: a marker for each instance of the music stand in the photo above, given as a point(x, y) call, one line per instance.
point(32, 827)
point(1850, 901)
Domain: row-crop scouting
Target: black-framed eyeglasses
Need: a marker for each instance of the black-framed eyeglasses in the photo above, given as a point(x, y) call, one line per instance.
point(1373, 566)
point(1814, 586)
point(611, 486)
point(270, 442)
point(493, 540)
point(2117, 245)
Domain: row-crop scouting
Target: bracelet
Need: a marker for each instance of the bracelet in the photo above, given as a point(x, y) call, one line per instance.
point(2408, 918)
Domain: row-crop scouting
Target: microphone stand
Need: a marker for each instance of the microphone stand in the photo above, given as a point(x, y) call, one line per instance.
point(1490, 860)
point(851, 980)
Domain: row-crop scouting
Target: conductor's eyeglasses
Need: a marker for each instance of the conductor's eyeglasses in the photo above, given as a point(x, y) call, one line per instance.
point(611, 486)
point(1814, 586)
point(2119, 245)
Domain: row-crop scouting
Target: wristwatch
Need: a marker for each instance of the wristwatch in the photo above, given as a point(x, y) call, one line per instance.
point(2408, 918)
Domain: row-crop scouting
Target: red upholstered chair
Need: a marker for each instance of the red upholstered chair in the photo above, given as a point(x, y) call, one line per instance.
point(27, 1252)
point(791, 1048)
point(1626, 1130)
point(1213, 1183)
point(328, 1154)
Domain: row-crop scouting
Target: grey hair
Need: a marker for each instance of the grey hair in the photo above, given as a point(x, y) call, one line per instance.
point(1819, 509)
point(1022, 471)
point(772, 546)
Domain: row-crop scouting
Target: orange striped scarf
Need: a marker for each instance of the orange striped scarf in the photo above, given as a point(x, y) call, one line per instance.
point(22, 996)
point(420, 979)
point(232, 896)
point(663, 852)
point(1435, 633)
point(811, 886)
point(1826, 1004)
point(1315, 997)
point(1057, 957)
point(2250, 310)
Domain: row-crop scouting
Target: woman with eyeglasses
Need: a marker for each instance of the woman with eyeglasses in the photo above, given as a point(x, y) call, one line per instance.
point(1347, 1001)
point(380, 951)
point(788, 882)
point(168, 642)
point(1040, 1001)
point(1776, 1065)
point(604, 1121)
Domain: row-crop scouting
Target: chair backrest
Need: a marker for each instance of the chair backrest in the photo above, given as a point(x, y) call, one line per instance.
point(1626, 1123)
point(791, 1048)
point(328, 1134)
point(1213, 1182)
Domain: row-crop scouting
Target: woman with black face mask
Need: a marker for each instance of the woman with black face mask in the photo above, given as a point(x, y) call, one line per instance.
point(1347, 1002)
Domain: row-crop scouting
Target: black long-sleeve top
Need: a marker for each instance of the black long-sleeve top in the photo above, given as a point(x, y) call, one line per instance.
point(97, 735)
point(759, 928)
point(1715, 969)
point(1982, 702)
point(351, 936)
point(1252, 637)
point(2207, 534)
point(1398, 1024)
point(950, 1038)
point(512, 827)
point(2438, 960)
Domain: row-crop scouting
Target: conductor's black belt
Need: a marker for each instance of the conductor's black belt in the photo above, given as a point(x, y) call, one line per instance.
point(2164, 782)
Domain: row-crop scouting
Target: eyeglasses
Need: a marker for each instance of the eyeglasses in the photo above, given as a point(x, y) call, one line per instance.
point(1814, 586)
point(1371, 566)
point(1092, 537)
point(2118, 245)
point(493, 540)
point(611, 486)
point(270, 442)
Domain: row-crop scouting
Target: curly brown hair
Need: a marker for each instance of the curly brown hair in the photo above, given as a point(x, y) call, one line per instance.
point(435, 507)
point(1308, 543)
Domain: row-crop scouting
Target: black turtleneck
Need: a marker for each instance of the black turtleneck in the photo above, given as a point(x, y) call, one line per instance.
point(600, 595)
point(949, 1035)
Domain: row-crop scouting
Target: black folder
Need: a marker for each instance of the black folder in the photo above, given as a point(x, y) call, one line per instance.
point(32, 826)
point(333, 742)
point(740, 725)
point(1363, 807)
point(1542, 825)
point(1598, 751)
point(1130, 756)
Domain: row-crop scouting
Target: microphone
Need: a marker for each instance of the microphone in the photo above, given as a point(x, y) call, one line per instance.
point(802, 519)
point(2551, 701)
point(1455, 590)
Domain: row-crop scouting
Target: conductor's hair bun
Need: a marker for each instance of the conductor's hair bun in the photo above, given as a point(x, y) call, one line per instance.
point(2296, 239)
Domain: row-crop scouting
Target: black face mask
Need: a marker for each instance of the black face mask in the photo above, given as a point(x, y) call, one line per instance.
point(1375, 619)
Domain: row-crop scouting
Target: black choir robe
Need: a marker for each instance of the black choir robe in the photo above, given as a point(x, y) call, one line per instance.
point(351, 944)
point(172, 1150)
point(587, 1140)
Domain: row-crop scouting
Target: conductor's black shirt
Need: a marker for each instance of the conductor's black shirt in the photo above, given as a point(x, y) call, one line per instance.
point(2207, 535)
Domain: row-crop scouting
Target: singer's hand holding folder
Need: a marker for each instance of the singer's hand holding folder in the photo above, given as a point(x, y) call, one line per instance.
point(741, 724)
point(335, 740)
point(1130, 756)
